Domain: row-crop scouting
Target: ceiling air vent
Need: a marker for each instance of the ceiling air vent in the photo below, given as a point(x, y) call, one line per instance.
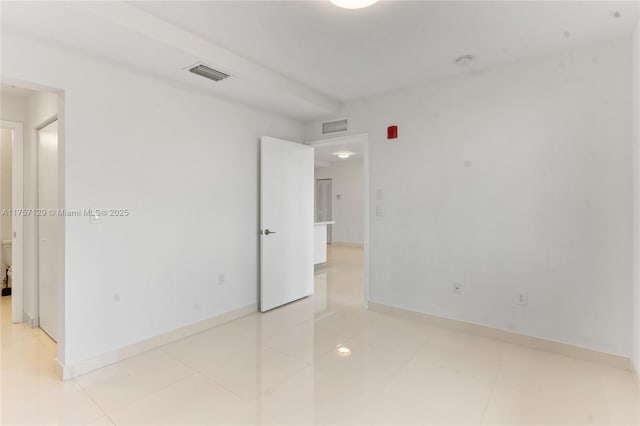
point(208, 72)
point(337, 126)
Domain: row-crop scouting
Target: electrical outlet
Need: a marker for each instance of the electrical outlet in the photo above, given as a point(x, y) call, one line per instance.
point(522, 298)
point(221, 279)
point(457, 288)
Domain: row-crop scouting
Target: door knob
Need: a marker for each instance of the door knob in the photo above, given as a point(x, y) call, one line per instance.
point(267, 232)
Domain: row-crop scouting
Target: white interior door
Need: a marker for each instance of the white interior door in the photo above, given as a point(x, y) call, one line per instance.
point(48, 228)
point(286, 222)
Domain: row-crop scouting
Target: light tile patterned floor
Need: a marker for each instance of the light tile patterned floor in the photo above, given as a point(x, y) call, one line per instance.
point(282, 368)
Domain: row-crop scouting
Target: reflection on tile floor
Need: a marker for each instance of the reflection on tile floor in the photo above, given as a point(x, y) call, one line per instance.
point(282, 368)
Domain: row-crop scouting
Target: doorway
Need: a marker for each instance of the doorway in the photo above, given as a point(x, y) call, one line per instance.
point(342, 197)
point(11, 225)
point(37, 218)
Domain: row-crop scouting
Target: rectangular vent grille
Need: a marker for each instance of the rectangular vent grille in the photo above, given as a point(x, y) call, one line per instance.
point(337, 126)
point(207, 72)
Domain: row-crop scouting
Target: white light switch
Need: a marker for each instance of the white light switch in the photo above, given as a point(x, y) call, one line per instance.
point(378, 211)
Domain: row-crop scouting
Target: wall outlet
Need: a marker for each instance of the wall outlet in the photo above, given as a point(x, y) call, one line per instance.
point(221, 279)
point(522, 298)
point(457, 288)
point(378, 211)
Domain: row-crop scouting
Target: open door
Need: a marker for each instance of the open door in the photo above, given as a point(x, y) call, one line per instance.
point(286, 222)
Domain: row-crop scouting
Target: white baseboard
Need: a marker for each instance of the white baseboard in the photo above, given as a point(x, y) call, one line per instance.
point(67, 371)
point(566, 349)
point(31, 322)
point(60, 370)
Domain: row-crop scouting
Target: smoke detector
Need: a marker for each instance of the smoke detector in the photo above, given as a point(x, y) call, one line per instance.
point(208, 72)
point(464, 60)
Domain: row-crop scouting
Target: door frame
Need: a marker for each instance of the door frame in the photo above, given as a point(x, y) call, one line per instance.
point(42, 125)
point(29, 139)
point(17, 221)
point(364, 139)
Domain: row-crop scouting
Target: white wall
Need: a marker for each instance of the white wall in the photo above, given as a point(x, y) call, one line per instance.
point(636, 179)
point(13, 108)
point(5, 183)
point(515, 179)
point(186, 167)
point(348, 211)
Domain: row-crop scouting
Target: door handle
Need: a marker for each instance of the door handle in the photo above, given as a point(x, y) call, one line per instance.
point(267, 232)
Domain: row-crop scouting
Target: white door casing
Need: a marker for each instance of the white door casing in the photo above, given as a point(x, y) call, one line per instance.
point(48, 228)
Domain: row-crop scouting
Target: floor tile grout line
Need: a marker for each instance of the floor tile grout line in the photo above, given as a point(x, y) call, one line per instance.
point(605, 394)
point(153, 393)
point(222, 386)
point(135, 400)
point(201, 371)
point(493, 388)
point(84, 391)
point(175, 358)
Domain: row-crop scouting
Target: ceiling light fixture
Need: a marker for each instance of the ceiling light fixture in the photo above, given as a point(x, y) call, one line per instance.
point(353, 4)
point(343, 154)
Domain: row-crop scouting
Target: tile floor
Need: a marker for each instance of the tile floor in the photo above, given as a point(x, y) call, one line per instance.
point(282, 368)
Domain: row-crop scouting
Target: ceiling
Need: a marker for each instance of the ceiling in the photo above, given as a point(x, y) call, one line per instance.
point(349, 54)
point(304, 58)
point(127, 36)
point(8, 89)
point(324, 154)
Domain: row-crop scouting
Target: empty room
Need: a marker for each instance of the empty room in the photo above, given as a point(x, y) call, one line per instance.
point(322, 212)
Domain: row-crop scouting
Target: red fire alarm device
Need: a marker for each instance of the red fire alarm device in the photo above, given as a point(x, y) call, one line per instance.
point(392, 132)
